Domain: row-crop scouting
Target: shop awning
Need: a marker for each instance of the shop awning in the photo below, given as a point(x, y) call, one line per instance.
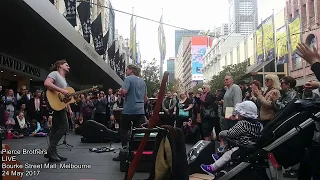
point(256, 67)
point(37, 33)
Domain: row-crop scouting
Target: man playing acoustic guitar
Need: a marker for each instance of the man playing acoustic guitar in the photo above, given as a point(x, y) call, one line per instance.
point(56, 81)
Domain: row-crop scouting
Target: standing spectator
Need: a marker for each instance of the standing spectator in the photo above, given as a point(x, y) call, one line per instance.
point(168, 107)
point(267, 112)
point(35, 107)
point(209, 113)
point(23, 96)
point(184, 110)
point(100, 105)
point(232, 96)
point(87, 108)
point(11, 103)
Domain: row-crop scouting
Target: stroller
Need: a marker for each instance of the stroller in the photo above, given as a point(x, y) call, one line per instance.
point(284, 139)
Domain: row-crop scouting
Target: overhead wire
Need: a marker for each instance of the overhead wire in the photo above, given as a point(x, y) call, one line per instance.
point(182, 28)
point(170, 25)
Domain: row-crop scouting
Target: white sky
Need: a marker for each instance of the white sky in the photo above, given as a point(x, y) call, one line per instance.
point(200, 14)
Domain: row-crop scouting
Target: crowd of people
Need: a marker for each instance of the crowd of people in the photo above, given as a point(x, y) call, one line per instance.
point(29, 114)
point(238, 111)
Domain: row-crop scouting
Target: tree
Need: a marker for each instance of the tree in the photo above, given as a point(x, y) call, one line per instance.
point(150, 74)
point(237, 71)
point(175, 86)
point(195, 88)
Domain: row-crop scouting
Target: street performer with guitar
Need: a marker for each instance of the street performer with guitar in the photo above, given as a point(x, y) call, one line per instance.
point(56, 81)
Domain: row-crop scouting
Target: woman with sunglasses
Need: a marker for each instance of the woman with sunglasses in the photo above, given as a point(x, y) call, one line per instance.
point(266, 100)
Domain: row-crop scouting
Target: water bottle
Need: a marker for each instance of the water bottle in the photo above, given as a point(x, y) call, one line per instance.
point(9, 134)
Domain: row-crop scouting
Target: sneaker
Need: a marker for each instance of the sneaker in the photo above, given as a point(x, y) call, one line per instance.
point(208, 169)
point(215, 157)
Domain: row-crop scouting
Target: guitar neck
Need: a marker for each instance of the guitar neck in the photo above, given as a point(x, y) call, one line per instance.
point(81, 92)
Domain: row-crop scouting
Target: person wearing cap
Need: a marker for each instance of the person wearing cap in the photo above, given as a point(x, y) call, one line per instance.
point(244, 132)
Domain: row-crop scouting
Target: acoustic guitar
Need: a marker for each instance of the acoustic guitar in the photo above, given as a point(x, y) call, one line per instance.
point(58, 101)
point(12, 169)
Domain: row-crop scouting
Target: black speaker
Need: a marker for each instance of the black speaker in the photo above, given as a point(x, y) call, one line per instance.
point(137, 138)
point(200, 153)
point(94, 132)
point(146, 159)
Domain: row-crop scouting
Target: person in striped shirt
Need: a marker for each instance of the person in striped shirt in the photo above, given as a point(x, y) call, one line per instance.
point(245, 132)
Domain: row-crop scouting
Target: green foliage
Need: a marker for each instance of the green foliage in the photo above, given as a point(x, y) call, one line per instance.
point(150, 74)
point(175, 86)
point(195, 88)
point(237, 71)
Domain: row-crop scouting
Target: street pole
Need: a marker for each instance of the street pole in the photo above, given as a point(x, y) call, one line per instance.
point(275, 46)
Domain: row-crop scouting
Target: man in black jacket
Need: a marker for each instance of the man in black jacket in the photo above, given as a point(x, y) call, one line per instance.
point(168, 105)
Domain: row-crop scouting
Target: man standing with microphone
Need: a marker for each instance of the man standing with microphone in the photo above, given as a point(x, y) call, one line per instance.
point(134, 90)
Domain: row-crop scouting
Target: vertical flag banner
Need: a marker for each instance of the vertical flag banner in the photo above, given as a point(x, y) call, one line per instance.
point(97, 35)
point(84, 16)
point(131, 38)
point(282, 45)
point(268, 38)
point(295, 35)
point(71, 11)
point(105, 41)
point(134, 45)
point(138, 54)
point(259, 44)
point(111, 27)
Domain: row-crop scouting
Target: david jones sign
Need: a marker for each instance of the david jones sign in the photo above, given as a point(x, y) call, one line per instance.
point(19, 66)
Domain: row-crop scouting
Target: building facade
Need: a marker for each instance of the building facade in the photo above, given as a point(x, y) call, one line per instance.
point(236, 49)
point(243, 16)
point(181, 33)
point(26, 61)
point(179, 57)
point(192, 61)
point(222, 30)
point(309, 12)
point(170, 69)
point(221, 54)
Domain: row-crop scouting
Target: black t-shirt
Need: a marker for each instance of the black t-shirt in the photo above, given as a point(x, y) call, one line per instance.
point(185, 105)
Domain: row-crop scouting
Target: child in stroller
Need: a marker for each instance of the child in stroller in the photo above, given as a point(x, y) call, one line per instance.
point(244, 132)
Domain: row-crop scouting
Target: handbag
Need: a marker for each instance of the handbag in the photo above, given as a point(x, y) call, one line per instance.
point(183, 113)
point(208, 113)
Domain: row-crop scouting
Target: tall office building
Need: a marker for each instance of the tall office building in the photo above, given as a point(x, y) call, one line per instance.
point(170, 69)
point(179, 34)
point(222, 30)
point(243, 16)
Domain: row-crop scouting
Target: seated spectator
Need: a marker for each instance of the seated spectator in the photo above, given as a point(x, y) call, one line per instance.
point(78, 125)
point(35, 129)
point(49, 122)
point(112, 123)
point(22, 109)
point(21, 125)
point(10, 123)
point(191, 132)
point(44, 124)
point(246, 131)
